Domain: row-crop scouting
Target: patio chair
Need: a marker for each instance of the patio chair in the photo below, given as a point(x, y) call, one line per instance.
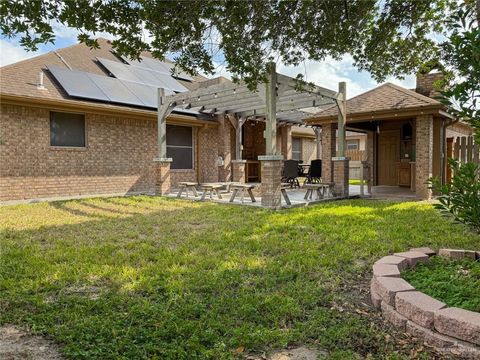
point(290, 173)
point(314, 173)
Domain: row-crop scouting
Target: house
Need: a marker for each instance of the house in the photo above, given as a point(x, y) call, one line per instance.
point(406, 133)
point(81, 121)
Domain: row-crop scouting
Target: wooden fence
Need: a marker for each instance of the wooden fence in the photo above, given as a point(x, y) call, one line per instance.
point(355, 155)
point(464, 149)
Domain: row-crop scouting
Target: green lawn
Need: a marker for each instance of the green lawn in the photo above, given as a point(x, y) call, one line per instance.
point(455, 282)
point(145, 277)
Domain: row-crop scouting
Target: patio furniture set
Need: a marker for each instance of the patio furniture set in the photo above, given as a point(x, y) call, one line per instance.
point(292, 171)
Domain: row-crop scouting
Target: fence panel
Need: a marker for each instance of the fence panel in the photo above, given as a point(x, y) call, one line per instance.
point(464, 149)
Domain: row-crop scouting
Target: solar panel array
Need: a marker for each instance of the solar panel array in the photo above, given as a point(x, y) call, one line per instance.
point(158, 66)
point(142, 75)
point(103, 88)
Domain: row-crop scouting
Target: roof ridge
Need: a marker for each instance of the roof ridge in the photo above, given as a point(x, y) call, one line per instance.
point(413, 94)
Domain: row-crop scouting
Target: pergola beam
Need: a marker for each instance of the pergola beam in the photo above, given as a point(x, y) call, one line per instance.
point(342, 117)
point(271, 110)
point(164, 109)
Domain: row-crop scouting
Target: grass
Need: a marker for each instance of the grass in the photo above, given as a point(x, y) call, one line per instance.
point(155, 278)
point(455, 282)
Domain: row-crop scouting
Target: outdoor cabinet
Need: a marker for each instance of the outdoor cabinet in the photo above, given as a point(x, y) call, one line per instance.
point(404, 174)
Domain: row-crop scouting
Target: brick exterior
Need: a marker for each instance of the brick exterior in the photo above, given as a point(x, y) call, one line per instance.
point(309, 150)
point(341, 176)
point(238, 169)
point(425, 84)
point(271, 183)
point(118, 158)
point(328, 151)
point(163, 183)
point(424, 155)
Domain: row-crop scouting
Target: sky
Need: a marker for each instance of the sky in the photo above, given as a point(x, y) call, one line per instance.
point(326, 73)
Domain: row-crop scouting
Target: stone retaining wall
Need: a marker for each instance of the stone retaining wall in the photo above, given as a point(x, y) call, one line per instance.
point(452, 331)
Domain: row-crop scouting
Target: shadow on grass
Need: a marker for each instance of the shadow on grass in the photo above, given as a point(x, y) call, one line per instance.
point(177, 279)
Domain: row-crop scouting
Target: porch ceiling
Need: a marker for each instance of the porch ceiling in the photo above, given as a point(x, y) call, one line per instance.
point(292, 104)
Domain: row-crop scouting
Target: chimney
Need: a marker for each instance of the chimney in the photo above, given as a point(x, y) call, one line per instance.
point(425, 84)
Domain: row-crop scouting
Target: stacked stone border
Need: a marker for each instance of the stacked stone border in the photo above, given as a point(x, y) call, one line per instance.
point(451, 331)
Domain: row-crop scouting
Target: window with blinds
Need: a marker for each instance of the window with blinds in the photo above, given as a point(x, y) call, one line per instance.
point(296, 149)
point(180, 146)
point(67, 129)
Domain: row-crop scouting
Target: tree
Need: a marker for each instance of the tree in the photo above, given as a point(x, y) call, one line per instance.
point(389, 37)
point(461, 55)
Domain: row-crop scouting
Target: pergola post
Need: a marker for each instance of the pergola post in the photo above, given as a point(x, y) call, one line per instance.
point(318, 141)
point(239, 171)
point(340, 162)
point(162, 163)
point(271, 163)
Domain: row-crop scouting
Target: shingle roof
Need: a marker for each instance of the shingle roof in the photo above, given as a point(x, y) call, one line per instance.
point(383, 98)
point(20, 78)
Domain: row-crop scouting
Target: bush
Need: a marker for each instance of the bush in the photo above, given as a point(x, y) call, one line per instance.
point(461, 197)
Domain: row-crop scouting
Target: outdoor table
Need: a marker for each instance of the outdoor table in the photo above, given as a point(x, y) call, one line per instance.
point(321, 190)
point(185, 185)
point(211, 188)
point(242, 187)
point(283, 189)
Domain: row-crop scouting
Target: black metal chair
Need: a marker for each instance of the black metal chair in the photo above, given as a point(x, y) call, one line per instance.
point(314, 173)
point(290, 173)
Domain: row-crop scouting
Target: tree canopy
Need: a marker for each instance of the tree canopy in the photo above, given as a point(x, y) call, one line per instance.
point(389, 37)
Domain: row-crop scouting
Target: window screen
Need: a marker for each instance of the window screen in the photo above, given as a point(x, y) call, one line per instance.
point(180, 146)
point(353, 144)
point(67, 129)
point(296, 149)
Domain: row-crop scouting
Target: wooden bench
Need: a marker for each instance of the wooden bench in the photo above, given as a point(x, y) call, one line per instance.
point(235, 188)
point(283, 189)
point(321, 190)
point(210, 189)
point(185, 185)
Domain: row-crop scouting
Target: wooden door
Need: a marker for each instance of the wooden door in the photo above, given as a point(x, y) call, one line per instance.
point(388, 156)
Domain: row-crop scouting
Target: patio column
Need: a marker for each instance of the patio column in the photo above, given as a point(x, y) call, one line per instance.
point(286, 132)
point(318, 141)
point(328, 151)
point(424, 155)
point(340, 162)
point(238, 165)
point(271, 163)
point(162, 163)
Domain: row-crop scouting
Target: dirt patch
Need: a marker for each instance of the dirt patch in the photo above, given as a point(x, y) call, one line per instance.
point(299, 353)
point(16, 344)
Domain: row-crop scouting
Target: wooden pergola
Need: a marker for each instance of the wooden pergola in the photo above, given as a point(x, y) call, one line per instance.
point(278, 101)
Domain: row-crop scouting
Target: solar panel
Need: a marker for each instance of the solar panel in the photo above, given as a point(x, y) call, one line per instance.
point(159, 66)
point(146, 93)
point(119, 70)
point(77, 84)
point(116, 91)
point(142, 75)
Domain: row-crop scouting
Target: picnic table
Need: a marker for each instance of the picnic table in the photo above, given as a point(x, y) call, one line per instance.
point(235, 188)
point(184, 186)
point(211, 188)
point(321, 190)
point(283, 189)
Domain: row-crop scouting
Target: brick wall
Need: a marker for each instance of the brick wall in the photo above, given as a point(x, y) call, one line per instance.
point(309, 150)
point(424, 155)
point(118, 157)
point(328, 151)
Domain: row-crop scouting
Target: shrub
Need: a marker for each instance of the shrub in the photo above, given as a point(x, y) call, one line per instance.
point(461, 197)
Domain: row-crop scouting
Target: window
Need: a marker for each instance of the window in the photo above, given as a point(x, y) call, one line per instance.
point(353, 144)
point(67, 129)
point(296, 149)
point(180, 146)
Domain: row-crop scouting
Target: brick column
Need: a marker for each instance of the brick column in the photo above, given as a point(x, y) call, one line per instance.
point(341, 175)
point(424, 155)
point(162, 176)
point(271, 166)
point(238, 170)
point(328, 151)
